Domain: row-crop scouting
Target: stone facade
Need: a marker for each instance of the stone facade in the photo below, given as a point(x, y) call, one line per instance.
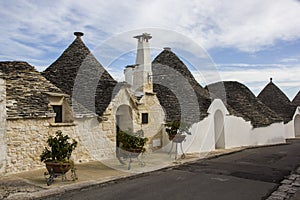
point(147, 104)
point(2, 126)
point(26, 139)
point(156, 117)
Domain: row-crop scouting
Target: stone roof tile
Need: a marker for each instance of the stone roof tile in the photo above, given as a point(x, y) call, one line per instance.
point(78, 71)
point(179, 93)
point(243, 103)
point(296, 100)
point(26, 90)
point(277, 101)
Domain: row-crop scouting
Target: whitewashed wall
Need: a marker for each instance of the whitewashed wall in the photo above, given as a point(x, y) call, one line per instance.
point(202, 138)
point(289, 129)
point(2, 126)
point(237, 132)
point(296, 120)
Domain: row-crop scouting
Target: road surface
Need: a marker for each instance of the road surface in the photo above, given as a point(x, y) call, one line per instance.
point(248, 174)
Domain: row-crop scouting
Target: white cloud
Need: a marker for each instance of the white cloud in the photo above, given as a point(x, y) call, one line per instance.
point(246, 25)
point(38, 31)
point(290, 59)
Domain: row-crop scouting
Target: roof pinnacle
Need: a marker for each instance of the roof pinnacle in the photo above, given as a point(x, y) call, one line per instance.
point(78, 34)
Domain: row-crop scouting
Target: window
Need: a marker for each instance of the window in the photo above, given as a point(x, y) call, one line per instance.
point(145, 118)
point(58, 112)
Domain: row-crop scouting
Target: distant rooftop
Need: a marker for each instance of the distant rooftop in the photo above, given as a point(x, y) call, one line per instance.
point(241, 102)
point(273, 97)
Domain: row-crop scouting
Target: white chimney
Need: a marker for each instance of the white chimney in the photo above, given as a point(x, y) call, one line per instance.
point(142, 74)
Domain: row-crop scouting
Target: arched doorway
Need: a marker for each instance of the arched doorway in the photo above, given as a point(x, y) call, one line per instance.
point(123, 122)
point(219, 130)
point(124, 118)
point(297, 125)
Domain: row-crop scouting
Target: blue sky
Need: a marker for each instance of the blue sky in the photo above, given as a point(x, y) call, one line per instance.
point(248, 40)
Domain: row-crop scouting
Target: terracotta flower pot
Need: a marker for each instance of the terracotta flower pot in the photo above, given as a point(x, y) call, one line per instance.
point(58, 167)
point(171, 137)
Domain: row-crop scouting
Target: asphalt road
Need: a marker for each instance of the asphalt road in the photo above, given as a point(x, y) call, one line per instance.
point(249, 174)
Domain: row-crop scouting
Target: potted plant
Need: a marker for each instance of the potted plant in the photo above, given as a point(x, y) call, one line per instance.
point(176, 130)
point(57, 155)
point(132, 142)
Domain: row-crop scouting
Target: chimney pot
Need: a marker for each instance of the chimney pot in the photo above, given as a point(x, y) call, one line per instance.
point(167, 48)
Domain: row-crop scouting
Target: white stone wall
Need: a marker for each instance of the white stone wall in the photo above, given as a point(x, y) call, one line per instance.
point(289, 128)
point(95, 138)
point(296, 120)
point(142, 73)
point(237, 133)
point(202, 137)
point(2, 126)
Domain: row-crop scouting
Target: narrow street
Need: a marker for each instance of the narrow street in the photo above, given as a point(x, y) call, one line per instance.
point(250, 174)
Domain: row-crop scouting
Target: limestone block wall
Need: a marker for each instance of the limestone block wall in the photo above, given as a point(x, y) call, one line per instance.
point(154, 129)
point(2, 126)
point(97, 140)
point(26, 139)
point(150, 104)
point(109, 123)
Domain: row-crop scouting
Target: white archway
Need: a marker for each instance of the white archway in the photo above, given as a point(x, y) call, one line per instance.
point(219, 130)
point(297, 125)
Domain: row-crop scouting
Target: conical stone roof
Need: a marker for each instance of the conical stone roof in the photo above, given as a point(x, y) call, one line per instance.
point(277, 101)
point(241, 102)
point(296, 100)
point(78, 73)
point(26, 90)
point(179, 93)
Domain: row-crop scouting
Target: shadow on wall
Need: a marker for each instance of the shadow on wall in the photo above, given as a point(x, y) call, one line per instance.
point(219, 130)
